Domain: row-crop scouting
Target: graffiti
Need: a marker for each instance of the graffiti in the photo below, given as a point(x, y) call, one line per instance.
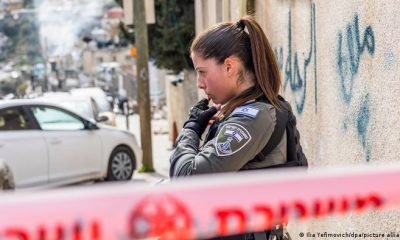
point(348, 64)
point(295, 70)
point(349, 56)
point(362, 121)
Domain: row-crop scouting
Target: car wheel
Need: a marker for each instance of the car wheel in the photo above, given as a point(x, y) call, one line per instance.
point(121, 164)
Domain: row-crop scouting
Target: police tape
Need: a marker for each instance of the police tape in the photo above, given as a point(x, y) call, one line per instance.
point(196, 207)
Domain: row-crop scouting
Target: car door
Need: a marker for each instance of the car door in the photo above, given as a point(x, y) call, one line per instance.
point(74, 152)
point(23, 147)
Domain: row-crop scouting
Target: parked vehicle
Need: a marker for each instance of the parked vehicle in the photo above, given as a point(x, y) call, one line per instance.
point(46, 144)
point(100, 97)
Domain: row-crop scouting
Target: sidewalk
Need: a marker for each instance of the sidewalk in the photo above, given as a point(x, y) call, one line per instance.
point(153, 178)
point(160, 143)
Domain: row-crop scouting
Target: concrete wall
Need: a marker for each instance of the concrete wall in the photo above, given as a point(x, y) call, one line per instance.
point(339, 62)
point(209, 12)
point(157, 85)
point(181, 96)
point(95, 57)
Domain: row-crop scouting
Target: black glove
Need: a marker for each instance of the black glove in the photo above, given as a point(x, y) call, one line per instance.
point(199, 116)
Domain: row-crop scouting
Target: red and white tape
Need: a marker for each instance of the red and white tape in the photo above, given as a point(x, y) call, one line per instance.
point(197, 207)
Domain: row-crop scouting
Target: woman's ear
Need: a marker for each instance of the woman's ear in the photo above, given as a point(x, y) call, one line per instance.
point(230, 65)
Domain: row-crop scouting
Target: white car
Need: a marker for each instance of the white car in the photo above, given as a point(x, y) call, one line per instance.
point(84, 106)
point(45, 144)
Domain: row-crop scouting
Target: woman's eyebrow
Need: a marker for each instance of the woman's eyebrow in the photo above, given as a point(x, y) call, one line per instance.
point(197, 68)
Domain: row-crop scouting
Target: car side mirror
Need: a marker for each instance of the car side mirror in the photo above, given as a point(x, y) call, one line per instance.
point(102, 118)
point(90, 125)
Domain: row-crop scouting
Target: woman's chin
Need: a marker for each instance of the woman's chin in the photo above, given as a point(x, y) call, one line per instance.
point(215, 101)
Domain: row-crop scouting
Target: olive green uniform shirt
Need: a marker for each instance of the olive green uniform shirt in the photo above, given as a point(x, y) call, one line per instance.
point(239, 138)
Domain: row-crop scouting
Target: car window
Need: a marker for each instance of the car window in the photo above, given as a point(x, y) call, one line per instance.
point(14, 119)
point(55, 119)
point(84, 108)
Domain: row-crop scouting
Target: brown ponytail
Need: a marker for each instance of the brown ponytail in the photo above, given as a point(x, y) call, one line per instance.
point(252, 48)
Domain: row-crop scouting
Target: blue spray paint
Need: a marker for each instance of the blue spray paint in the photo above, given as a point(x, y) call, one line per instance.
point(348, 64)
point(279, 57)
point(296, 79)
point(315, 66)
point(362, 121)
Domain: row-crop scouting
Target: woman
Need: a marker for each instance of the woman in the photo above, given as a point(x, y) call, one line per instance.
point(238, 71)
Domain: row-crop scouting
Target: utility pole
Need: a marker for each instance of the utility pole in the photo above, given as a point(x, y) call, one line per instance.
point(142, 60)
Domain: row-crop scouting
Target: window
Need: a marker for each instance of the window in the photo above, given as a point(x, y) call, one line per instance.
point(55, 119)
point(14, 119)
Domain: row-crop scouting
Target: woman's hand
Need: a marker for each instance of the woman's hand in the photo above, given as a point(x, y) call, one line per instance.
point(200, 115)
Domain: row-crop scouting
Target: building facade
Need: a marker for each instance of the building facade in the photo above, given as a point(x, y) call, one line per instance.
point(339, 62)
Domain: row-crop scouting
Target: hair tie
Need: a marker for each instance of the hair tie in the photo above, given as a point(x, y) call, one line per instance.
point(240, 25)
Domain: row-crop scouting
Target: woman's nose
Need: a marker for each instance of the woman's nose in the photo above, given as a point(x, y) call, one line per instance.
point(200, 83)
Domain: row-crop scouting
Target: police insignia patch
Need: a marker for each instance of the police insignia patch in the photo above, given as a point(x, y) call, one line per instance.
point(231, 138)
point(247, 111)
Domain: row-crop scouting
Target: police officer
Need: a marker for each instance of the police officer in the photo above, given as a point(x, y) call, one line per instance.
point(238, 71)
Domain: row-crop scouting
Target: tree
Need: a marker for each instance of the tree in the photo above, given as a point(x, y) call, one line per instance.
point(16, 86)
point(170, 36)
point(23, 39)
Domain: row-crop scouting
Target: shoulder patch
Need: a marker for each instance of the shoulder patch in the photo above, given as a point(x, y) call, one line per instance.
point(231, 138)
point(247, 111)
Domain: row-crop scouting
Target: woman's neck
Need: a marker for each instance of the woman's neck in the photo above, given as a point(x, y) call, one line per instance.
point(243, 87)
point(248, 82)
